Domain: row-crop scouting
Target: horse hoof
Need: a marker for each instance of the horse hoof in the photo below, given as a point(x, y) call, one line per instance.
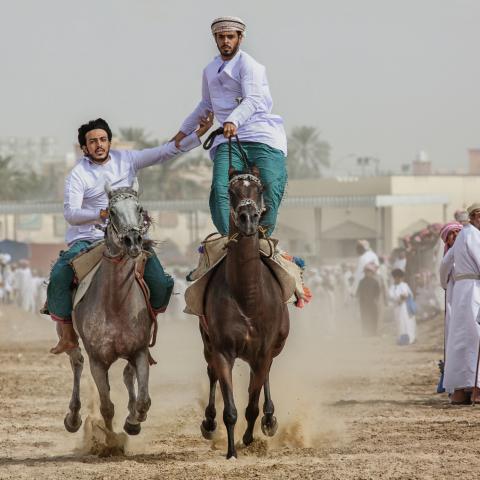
point(132, 428)
point(207, 434)
point(269, 429)
point(72, 428)
point(247, 439)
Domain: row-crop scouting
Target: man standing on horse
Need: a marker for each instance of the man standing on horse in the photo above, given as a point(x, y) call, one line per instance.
point(85, 202)
point(235, 89)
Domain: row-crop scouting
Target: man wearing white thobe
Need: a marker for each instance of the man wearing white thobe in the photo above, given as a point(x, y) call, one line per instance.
point(23, 281)
point(464, 330)
point(366, 256)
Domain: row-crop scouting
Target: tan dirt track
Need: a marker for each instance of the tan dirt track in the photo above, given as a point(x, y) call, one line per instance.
point(348, 408)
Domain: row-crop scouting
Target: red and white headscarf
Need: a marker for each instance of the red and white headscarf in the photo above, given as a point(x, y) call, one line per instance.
point(445, 231)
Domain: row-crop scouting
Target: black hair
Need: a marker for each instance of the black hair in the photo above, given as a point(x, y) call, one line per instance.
point(99, 123)
point(398, 273)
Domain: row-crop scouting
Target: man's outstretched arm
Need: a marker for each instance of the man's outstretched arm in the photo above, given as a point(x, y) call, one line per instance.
point(153, 156)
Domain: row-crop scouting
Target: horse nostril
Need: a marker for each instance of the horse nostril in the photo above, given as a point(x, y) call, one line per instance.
point(139, 239)
point(128, 241)
point(243, 217)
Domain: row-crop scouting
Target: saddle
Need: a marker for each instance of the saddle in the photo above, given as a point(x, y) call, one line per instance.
point(86, 264)
point(214, 251)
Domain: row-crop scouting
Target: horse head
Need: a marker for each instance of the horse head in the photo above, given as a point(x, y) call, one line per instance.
point(128, 222)
point(246, 201)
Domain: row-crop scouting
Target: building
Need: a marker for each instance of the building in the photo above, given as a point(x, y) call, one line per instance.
point(338, 211)
point(474, 161)
point(319, 218)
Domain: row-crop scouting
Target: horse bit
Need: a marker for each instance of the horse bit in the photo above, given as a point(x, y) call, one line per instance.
point(125, 229)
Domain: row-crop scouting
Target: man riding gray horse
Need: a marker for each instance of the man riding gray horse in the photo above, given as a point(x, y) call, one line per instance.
point(235, 89)
point(85, 203)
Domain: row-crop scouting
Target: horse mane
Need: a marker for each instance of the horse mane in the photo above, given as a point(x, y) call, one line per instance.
point(123, 190)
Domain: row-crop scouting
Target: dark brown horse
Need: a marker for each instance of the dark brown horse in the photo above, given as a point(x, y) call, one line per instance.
point(245, 316)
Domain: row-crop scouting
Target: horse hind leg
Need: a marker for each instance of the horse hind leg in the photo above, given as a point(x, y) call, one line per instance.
point(209, 425)
point(73, 420)
point(100, 376)
point(131, 426)
point(269, 421)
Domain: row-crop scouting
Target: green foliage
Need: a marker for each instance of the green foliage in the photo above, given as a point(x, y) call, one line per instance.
point(21, 185)
point(175, 180)
point(138, 136)
point(170, 180)
point(307, 153)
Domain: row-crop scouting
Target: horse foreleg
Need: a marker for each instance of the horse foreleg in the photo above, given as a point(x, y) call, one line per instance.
point(131, 426)
point(73, 420)
point(257, 379)
point(209, 425)
point(223, 371)
point(142, 368)
point(100, 376)
point(269, 421)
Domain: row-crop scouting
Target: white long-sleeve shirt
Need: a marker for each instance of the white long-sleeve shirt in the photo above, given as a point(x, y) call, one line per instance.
point(369, 256)
point(84, 194)
point(464, 329)
point(406, 324)
point(241, 79)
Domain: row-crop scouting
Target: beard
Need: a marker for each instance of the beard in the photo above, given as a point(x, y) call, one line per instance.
point(99, 157)
point(228, 53)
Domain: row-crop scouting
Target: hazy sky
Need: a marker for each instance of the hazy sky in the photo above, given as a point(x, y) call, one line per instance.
point(377, 77)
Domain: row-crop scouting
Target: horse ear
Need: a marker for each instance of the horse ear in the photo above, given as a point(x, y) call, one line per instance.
point(108, 188)
point(135, 185)
point(231, 172)
point(256, 171)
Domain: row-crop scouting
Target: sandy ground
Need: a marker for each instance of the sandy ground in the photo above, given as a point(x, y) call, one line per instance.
point(348, 408)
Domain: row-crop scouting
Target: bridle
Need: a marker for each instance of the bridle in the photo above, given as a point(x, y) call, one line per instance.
point(122, 230)
point(247, 177)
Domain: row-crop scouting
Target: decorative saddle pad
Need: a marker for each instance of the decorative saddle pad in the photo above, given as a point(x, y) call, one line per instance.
point(215, 251)
point(86, 264)
point(85, 261)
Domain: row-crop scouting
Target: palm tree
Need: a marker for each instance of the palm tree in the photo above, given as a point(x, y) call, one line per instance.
point(20, 185)
point(138, 137)
point(307, 153)
point(166, 181)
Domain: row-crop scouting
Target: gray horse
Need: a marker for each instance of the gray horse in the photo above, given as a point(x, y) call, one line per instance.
point(112, 319)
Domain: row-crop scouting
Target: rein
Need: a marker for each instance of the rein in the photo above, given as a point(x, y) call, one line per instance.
point(207, 145)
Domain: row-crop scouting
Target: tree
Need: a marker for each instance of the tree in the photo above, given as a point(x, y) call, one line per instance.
point(172, 180)
point(138, 136)
point(21, 185)
point(307, 153)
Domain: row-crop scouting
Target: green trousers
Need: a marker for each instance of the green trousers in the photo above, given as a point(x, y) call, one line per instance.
point(273, 174)
point(59, 291)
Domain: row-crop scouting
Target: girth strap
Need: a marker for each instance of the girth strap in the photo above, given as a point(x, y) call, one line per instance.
point(139, 271)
